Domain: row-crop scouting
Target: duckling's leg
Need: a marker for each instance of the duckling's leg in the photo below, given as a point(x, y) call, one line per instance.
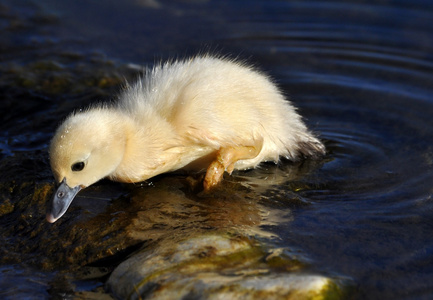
point(225, 161)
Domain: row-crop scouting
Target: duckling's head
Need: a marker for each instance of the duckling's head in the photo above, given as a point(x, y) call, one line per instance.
point(87, 147)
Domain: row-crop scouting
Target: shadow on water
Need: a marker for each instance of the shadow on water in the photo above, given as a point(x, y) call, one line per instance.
point(360, 73)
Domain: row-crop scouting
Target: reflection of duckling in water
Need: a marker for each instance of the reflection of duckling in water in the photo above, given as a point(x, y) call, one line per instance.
point(203, 113)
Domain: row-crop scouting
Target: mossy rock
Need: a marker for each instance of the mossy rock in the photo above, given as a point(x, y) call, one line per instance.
point(218, 266)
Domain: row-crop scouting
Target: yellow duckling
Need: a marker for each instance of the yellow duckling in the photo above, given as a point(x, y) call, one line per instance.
point(202, 113)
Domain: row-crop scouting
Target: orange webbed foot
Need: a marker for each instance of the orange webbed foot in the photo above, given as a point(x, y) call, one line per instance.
point(225, 161)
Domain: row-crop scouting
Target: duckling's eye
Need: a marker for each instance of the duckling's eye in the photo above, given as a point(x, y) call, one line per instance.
point(77, 166)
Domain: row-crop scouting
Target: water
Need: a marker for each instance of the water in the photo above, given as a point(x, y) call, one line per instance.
point(360, 73)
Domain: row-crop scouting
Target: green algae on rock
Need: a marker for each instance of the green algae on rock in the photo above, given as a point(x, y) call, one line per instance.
point(6, 207)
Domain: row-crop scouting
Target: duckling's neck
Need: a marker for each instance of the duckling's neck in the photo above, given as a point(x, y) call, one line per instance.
point(150, 148)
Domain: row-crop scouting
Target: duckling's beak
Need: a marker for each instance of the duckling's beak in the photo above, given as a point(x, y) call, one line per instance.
point(61, 201)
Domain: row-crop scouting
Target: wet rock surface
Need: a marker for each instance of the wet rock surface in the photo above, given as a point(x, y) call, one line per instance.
point(217, 266)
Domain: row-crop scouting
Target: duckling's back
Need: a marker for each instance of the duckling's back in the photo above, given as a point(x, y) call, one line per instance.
point(219, 102)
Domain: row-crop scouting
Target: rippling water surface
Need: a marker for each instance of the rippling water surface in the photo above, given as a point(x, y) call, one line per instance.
point(361, 73)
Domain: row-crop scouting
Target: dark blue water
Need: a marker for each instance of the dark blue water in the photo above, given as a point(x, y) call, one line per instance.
point(361, 73)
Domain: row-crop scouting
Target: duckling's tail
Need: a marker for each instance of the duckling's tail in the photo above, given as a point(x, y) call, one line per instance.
point(310, 146)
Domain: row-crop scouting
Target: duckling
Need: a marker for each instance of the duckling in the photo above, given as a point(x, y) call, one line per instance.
point(204, 113)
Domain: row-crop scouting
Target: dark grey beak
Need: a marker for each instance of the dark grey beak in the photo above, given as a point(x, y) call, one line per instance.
point(61, 201)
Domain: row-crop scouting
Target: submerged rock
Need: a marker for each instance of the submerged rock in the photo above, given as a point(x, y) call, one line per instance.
point(217, 266)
